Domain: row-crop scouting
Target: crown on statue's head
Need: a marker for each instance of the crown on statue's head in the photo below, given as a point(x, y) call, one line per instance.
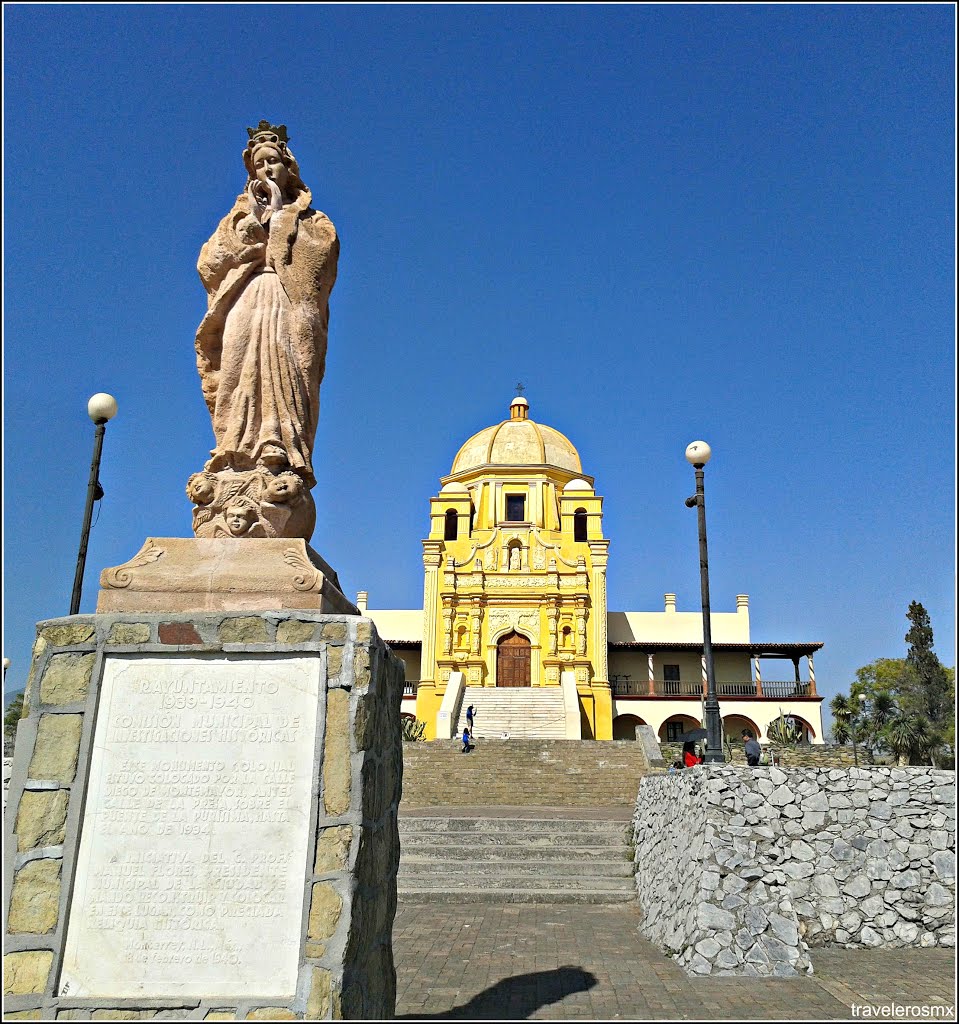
point(266, 132)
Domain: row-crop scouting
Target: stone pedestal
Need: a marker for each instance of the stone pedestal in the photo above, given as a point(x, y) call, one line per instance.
point(178, 574)
point(202, 819)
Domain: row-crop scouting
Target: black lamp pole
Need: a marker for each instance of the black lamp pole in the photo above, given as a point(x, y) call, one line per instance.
point(698, 455)
point(100, 408)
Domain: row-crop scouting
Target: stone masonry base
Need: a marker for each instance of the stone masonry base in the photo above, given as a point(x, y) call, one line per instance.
point(345, 963)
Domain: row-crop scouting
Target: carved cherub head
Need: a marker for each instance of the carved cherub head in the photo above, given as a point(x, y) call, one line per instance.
point(240, 516)
point(283, 488)
point(200, 489)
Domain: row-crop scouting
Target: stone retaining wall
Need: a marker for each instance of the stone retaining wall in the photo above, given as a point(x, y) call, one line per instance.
point(740, 871)
point(802, 755)
point(345, 967)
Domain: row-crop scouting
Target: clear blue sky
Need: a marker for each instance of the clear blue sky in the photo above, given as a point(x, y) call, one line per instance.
point(671, 222)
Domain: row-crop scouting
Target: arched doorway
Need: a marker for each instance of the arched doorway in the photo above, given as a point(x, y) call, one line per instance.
point(625, 726)
point(733, 726)
point(675, 726)
point(513, 661)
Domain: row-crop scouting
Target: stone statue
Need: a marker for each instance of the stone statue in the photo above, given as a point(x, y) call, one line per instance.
point(514, 558)
point(268, 270)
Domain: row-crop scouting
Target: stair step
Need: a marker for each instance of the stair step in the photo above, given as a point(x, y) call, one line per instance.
point(453, 894)
point(557, 872)
point(511, 825)
point(420, 841)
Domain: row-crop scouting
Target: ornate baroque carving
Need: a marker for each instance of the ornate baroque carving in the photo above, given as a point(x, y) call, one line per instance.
point(308, 578)
point(516, 618)
point(120, 577)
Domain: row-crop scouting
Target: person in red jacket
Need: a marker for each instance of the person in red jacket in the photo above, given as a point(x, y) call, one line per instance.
point(690, 757)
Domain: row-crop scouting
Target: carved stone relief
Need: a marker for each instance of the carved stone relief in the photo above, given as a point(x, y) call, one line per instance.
point(515, 618)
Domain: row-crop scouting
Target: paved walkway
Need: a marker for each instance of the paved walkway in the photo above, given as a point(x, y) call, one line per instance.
point(514, 962)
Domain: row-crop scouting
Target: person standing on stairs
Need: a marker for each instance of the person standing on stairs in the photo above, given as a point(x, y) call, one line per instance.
point(470, 715)
point(467, 744)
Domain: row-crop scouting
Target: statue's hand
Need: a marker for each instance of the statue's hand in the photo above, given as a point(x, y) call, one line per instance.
point(258, 198)
point(276, 196)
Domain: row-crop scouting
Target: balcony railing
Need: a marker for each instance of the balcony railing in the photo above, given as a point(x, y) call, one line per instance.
point(793, 688)
point(626, 686)
point(409, 687)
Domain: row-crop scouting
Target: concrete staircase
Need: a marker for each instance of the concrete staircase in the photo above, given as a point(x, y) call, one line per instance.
point(514, 860)
point(524, 712)
point(523, 773)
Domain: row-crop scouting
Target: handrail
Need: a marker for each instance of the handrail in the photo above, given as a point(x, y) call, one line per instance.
point(625, 686)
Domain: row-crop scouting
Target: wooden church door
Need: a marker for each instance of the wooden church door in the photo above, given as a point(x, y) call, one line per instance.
point(513, 661)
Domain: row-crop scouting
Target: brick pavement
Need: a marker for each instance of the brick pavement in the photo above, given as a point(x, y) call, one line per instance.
point(555, 962)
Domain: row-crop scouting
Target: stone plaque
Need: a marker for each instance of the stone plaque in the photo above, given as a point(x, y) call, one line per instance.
point(193, 855)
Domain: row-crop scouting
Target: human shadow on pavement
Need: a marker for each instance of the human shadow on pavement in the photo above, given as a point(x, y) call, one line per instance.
point(517, 997)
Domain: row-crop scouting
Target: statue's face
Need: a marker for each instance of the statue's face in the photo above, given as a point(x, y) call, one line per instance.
point(267, 163)
point(238, 520)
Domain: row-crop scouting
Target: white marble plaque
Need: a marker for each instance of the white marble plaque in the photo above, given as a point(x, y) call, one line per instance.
point(193, 852)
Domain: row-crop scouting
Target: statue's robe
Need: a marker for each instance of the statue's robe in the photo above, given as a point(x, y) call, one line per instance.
point(261, 348)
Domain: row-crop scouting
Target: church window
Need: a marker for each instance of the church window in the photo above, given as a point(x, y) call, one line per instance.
point(579, 524)
point(451, 528)
point(515, 508)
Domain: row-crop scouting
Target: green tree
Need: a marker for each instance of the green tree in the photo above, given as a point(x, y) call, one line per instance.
point(929, 691)
point(11, 716)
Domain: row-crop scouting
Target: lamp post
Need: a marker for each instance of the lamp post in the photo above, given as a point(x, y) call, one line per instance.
point(6, 665)
point(100, 409)
point(697, 454)
point(861, 715)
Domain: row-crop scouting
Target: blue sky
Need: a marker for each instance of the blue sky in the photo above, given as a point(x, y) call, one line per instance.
point(670, 222)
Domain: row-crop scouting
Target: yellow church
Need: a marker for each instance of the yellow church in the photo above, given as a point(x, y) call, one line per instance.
point(515, 624)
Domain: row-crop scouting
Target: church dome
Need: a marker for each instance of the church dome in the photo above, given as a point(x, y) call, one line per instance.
point(518, 441)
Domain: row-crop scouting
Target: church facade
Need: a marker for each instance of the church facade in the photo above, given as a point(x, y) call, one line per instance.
point(515, 619)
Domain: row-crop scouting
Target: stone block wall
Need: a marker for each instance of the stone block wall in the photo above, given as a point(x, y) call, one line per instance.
point(345, 968)
point(740, 871)
point(802, 755)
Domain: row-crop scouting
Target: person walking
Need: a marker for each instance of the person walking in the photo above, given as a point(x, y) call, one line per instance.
point(470, 716)
point(467, 745)
point(752, 749)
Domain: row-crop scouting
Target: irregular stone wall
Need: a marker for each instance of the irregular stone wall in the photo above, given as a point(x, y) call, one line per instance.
point(345, 968)
point(740, 871)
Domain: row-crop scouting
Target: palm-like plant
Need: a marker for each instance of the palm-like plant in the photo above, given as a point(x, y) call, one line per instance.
point(413, 729)
point(781, 731)
point(905, 735)
point(842, 709)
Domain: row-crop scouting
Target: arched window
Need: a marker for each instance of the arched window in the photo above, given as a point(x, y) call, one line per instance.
point(579, 524)
point(451, 528)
